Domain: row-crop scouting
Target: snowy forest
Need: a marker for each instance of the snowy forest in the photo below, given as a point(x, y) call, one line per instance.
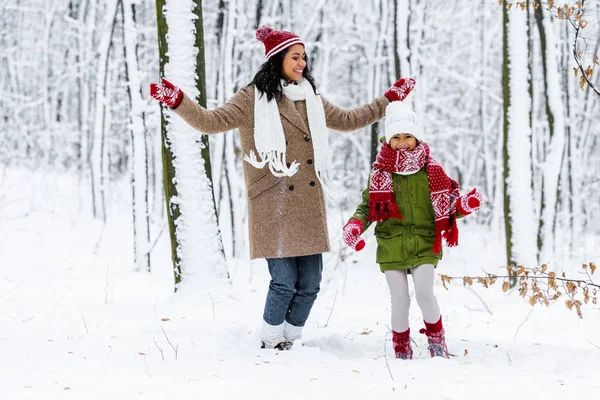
point(77, 74)
point(508, 91)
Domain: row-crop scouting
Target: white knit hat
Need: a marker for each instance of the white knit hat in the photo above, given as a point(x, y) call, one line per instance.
point(399, 118)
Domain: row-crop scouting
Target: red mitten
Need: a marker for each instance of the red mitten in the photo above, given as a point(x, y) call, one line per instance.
point(469, 202)
point(352, 231)
point(167, 93)
point(400, 89)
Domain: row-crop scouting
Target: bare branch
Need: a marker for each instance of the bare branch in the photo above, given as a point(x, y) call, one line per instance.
point(162, 355)
point(385, 354)
point(175, 348)
point(525, 320)
point(332, 307)
point(85, 324)
point(576, 57)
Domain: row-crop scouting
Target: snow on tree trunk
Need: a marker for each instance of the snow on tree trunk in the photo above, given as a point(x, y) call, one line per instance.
point(555, 149)
point(199, 247)
point(518, 196)
point(139, 154)
point(402, 65)
point(99, 164)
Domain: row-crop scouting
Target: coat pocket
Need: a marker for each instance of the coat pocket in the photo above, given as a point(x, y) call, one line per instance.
point(390, 246)
point(263, 183)
point(424, 239)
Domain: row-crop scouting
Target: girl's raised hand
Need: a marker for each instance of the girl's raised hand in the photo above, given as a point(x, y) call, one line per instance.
point(352, 232)
point(469, 202)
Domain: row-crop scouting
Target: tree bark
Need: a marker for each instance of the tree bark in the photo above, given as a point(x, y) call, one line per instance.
point(518, 196)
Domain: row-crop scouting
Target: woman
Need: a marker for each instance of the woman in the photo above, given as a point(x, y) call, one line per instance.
point(281, 117)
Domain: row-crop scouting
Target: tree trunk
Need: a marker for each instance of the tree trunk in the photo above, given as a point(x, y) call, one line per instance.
point(518, 197)
point(139, 154)
point(554, 151)
point(196, 243)
point(99, 165)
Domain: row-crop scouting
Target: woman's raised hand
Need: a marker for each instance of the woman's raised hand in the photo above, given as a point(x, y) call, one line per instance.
point(166, 93)
point(400, 89)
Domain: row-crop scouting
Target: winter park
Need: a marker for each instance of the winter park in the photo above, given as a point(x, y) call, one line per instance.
point(270, 199)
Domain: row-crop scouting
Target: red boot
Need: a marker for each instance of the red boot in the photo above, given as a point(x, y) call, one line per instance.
point(435, 338)
point(402, 347)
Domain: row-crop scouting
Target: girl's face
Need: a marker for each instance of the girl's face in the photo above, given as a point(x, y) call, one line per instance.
point(294, 63)
point(403, 141)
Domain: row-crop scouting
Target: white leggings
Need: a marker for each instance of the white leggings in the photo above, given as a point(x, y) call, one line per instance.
point(423, 280)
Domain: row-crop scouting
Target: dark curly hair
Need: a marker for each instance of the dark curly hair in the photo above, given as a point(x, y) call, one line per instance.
point(268, 78)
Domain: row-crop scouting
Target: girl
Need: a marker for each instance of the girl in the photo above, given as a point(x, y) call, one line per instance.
point(281, 117)
point(415, 205)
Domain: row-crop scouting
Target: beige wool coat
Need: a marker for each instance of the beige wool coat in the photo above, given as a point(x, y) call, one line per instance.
point(286, 215)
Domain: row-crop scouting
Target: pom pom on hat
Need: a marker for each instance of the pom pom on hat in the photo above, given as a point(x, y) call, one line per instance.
point(399, 118)
point(262, 32)
point(276, 41)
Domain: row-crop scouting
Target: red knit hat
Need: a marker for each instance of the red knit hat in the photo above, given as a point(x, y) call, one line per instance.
point(276, 41)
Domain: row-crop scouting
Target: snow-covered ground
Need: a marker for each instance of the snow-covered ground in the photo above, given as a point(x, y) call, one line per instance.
point(77, 322)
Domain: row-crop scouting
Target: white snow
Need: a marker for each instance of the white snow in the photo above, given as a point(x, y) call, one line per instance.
point(78, 323)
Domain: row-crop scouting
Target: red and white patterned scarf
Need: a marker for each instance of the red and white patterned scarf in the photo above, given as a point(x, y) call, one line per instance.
point(443, 190)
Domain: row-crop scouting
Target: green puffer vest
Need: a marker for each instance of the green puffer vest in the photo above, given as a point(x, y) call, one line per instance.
point(408, 243)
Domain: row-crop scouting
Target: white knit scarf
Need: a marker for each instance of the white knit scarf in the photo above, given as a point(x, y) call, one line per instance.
point(269, 138)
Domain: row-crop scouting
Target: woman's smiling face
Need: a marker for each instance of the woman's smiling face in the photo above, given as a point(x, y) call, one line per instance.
point(294, 63)
point(403, 141)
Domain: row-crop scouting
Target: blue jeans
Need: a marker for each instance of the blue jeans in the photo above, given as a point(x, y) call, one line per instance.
point(295, 282)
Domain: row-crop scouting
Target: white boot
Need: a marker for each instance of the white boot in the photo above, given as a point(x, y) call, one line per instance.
point(272, 336)
point(291, 332)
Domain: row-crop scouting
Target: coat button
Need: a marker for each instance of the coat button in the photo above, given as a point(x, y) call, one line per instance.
point(309, 161)
point(288, 164)
point(307, 139)
point(312, 183)
point(291, 187)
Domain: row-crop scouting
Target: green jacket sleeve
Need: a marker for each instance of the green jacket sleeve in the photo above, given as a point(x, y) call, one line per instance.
point(363, 208)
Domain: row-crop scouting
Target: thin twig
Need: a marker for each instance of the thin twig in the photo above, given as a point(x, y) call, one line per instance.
point(84, 324)
point(106, 286)
point(9, 291)
point(156, 239)
point(146, 365)
point(585, 283)
point(592, 343)
point(162, 355)
point(583, 74)
point(351, 331)
point(175, 349)
point(100, 236)
point(385, 355)
point(515, 336)
point(332, 307)
point(213, 305)
point(480, 299)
